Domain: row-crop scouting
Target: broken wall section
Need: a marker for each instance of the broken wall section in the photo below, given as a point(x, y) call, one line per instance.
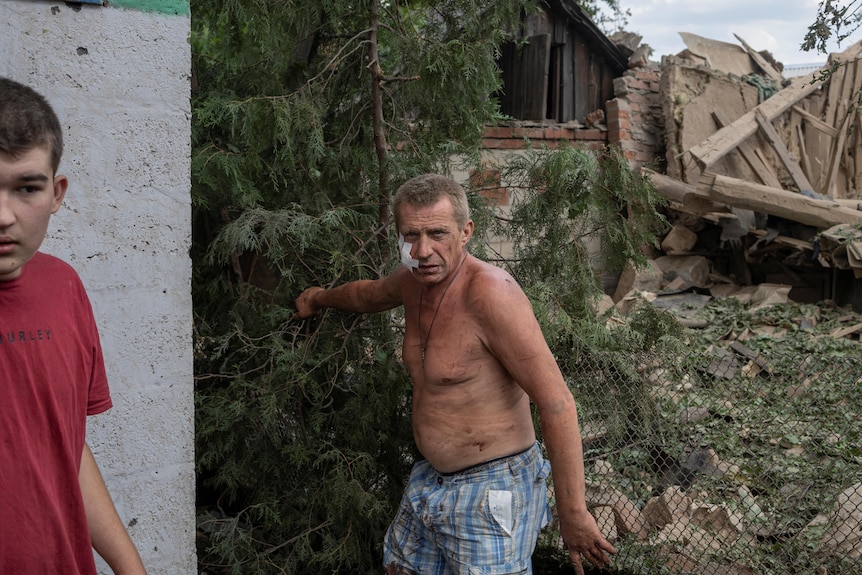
point(763, 169)
point(696, 101)
point(635, 116)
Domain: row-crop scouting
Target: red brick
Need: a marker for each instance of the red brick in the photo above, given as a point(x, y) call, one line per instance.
point(497, 132)
point(485, 178)
point(487, 182)
point(647, 75)
point(637, 85)
point(530, 133)
point(597, 135)
point(511, 144)
point(559, 134)
point(637, 97)
point(498, 197)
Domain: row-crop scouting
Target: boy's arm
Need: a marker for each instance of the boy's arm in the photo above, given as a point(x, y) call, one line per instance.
point(109, 536)
point(361, 296)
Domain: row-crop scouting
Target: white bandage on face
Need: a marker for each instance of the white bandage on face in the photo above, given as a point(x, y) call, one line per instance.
point(406, 259)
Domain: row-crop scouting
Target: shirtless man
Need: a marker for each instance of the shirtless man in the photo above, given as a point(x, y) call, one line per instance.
point(476, 357)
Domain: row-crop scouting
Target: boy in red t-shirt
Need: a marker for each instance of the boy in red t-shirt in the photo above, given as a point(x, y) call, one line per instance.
point(56, 508)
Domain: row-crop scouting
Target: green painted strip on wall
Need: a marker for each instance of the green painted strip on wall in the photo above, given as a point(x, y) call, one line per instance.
point(180, 7)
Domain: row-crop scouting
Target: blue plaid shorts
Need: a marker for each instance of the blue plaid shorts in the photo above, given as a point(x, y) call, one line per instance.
point(483, 520)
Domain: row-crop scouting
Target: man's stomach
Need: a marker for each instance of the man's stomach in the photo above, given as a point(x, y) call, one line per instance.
point(453, 438)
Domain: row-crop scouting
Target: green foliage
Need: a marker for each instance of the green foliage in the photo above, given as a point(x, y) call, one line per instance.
point(584, 197)
point(787, 437)
point(607, 14)
point(302, 428)
point(835, 20)
point(577, 215)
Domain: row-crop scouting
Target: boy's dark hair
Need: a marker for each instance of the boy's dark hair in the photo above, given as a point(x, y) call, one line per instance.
point(27, 121)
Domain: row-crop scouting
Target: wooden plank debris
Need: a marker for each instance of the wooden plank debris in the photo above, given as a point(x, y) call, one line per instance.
point(760, 61)
point(722, 142)
point(763, 367)
point(845, 331)
point(749, 153)
point(783, 153)
point(686, 197)
point(777, 202)
point(815, 121)
point(801, 245)
point(803, 152)
point(835, 158)
point(753, 178)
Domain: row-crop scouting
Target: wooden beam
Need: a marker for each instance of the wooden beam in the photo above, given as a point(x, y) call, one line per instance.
point(687, 197)
point(848, 88)
point(783, 153)
point(784, 240)
point(749, 153)
point(816, 122)
point(834, 89)
point(761, 61)
point(856, 174)
point(849, 203)
point(759, 153)
point(718, 145)
point(777, 202)
point(803, 152)
point(835, 157)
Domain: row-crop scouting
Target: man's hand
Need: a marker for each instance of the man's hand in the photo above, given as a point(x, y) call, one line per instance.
point(305, 306)
point(582, 537)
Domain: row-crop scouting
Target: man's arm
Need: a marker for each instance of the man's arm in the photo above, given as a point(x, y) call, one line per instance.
point(109, 536)
point(514, 336)
point(361, 296)
point(581, 535)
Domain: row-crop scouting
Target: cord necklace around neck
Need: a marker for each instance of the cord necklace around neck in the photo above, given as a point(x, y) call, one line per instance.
point(424, 346)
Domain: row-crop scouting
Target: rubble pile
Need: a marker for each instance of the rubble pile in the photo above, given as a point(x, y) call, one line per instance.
point(763, 173)
point(763, 179)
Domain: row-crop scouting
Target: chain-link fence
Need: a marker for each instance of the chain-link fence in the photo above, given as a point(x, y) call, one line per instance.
point(735, 458)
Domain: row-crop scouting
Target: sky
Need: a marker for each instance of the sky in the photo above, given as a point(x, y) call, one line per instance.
point(775, 25)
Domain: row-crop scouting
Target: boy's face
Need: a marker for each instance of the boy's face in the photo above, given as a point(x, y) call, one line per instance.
point(29, 194)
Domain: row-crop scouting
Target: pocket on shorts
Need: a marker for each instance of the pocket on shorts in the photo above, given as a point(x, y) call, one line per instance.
point(506, 569)
point(501, 505)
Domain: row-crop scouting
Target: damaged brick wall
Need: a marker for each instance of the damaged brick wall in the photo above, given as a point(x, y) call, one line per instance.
point(514, 137)
point(635, 118)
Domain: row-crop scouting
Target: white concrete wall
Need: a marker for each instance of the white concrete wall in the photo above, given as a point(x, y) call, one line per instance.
point(119, 80)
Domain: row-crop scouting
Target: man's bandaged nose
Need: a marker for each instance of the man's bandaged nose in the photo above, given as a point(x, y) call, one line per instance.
point(405, 248)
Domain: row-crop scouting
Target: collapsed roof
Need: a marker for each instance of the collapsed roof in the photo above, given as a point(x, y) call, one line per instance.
point(772, 159)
